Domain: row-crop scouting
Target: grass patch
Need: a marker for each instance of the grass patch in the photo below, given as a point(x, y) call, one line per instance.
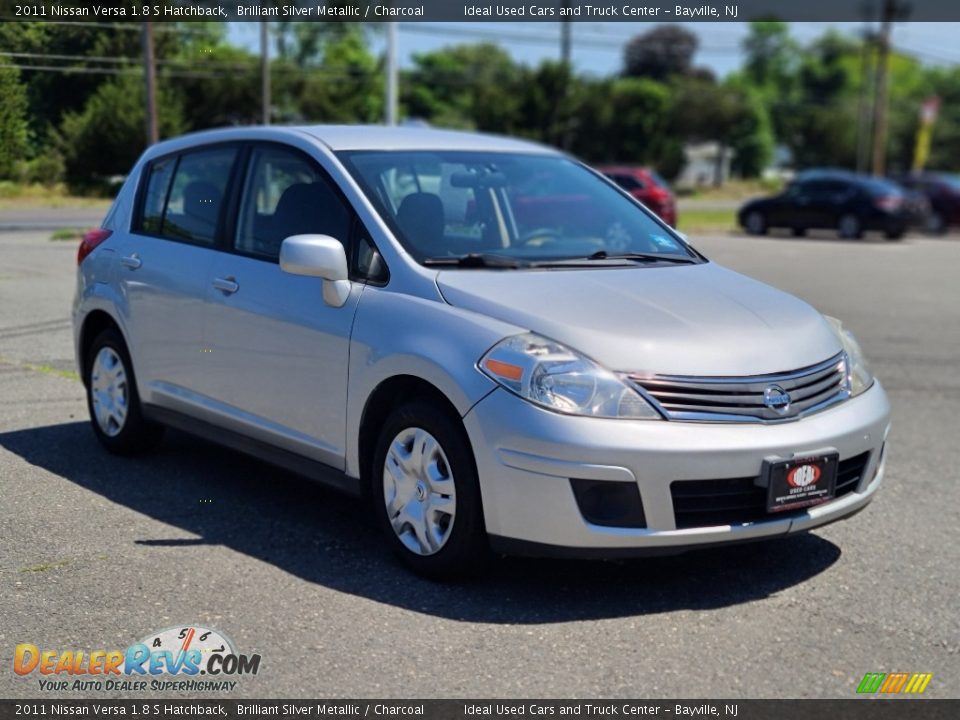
point(67, 234)
point(45, 369)
point(737, 189)
point(43, 567)
point(50, 370)
point(15, 196)
point(707, 221)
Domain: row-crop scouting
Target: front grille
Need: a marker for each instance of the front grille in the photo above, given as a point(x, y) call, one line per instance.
point(735, 501)
point(756, 398)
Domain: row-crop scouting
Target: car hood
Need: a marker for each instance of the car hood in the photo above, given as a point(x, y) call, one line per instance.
point(683, 320)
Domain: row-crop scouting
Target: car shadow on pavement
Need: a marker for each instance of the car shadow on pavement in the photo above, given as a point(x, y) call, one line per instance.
point(226, 498)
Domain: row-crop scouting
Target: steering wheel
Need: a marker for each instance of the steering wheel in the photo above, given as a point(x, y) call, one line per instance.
point(538, 237)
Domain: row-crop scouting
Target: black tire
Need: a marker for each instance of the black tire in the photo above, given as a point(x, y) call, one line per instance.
point(895, 234)
point(465, 551)
point(799, 231)
point(755, 223)
point(849, 227)
point(936, 223)
point(136, 435)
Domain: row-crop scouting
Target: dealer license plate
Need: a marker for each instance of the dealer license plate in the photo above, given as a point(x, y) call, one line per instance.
point(800, 482)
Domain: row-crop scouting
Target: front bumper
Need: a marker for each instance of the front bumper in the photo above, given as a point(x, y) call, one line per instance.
point(526, 457)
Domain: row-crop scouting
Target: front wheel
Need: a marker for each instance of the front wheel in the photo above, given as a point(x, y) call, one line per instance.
point(112, 398)
point(426, 494)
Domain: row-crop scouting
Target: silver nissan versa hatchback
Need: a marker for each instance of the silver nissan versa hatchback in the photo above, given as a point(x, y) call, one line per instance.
point(491, 341)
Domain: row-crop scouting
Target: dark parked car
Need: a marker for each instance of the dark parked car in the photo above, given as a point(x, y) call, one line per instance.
point(850, 203)
point(647, 187)
point(942, 191)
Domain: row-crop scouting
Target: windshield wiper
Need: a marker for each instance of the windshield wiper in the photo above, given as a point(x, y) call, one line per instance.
point(616, 258)
point(475, 260)
point(641, 257)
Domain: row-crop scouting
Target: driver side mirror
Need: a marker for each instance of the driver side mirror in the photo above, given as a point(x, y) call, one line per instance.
point(318, 256)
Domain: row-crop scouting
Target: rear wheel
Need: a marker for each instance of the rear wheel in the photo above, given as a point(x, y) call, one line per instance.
point(936, 223)
point(799, 231)
point(895, 234)
point(849, 226)
point(756, 223)
point(112, 398)
point(426, 495)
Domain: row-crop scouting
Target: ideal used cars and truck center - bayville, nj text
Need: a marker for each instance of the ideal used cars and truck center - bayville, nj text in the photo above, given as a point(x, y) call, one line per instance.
point(361, 11)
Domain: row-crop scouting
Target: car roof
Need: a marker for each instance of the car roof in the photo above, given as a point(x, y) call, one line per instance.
point(363, 137)
point(382, 137)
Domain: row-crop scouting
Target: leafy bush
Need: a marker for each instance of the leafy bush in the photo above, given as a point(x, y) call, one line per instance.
point(108, 136)
point(13, 119)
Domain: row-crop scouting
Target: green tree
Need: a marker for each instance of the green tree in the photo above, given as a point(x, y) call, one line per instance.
point(749, 132)
point(224, 89)
point(549, 106)
point(660, 53)
point(819, 124)
point(348, 85)
point(772, 56)
point(465, 86)
point(730, 114)
point(13, 119)
point(107, 136)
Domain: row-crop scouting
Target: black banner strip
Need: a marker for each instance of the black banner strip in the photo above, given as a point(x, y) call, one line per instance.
point(480, 10)
point(861, 708)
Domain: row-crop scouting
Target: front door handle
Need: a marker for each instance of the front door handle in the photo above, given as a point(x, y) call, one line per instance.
point(132, 261)
point(227, 285)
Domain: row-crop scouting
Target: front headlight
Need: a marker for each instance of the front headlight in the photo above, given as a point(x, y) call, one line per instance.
point(858, 372)
point(556, 377)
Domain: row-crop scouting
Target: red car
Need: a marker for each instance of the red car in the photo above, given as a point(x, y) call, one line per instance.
point(647, 187)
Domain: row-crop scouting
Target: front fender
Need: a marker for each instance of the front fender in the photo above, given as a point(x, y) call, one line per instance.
point(439, 344)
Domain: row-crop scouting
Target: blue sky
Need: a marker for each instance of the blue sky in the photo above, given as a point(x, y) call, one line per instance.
point(598, 46)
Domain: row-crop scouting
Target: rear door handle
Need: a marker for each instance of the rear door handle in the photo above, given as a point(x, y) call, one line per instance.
point(132, 261)
point(227, 285)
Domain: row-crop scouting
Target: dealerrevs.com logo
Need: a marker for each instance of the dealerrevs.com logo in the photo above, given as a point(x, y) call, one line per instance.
point(190, 658)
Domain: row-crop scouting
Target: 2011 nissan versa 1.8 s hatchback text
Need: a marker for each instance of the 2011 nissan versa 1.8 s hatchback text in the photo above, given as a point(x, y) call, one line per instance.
point(493, 342)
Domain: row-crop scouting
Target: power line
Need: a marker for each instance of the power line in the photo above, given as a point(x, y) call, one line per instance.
point(136, 69)
point(122, 60)
point(107, 71)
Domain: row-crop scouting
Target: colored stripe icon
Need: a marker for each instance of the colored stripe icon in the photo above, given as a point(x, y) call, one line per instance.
point(899, 682)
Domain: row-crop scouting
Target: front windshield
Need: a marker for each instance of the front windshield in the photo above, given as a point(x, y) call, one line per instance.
point(446, 204)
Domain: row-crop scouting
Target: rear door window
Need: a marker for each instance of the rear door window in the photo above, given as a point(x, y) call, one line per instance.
point(185, 194)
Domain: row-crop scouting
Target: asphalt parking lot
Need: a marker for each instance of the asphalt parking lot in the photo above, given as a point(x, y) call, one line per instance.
point(97, 552)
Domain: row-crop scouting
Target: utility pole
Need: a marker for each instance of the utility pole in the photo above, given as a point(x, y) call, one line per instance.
point(563, 121)
point(566, 39)
point(265, 72)
point(392, 73)
point(864, 126)
point(150, 75)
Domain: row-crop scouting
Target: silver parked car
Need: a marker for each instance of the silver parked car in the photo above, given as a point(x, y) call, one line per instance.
point(493, 342)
